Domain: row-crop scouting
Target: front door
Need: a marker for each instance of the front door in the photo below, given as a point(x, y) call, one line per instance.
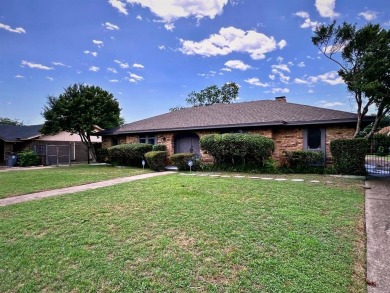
point(187, 143)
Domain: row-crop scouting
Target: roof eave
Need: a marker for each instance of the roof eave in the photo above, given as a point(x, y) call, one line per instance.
point(273, 123)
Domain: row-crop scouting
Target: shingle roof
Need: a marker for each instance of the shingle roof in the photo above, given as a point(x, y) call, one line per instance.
point(11, 133)
point(256, 113)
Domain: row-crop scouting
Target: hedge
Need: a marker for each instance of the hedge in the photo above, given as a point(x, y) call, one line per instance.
point(156, 160)
point(159, 147)
point(349, 155)
point(28, 158)
point(303, 159)
point(128, 154)
point(238, 148)
point(180, 160)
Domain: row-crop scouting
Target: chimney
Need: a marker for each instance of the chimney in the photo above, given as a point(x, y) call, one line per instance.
point(281, 99)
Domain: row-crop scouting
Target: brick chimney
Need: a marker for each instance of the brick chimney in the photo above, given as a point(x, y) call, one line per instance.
point(281, 99)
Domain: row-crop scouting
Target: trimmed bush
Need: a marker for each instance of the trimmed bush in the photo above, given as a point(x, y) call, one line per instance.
point(303, 159)
point(349, 155)
point(160, 147)
point(102, 155)
point(128, 154)
point(181, 161)
point(28, 158)
point(156, 160)
point(238, 148)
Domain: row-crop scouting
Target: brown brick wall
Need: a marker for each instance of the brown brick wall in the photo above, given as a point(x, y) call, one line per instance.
point(286, 139)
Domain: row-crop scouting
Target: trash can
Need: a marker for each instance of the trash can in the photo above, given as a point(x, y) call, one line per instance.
point(11, 160)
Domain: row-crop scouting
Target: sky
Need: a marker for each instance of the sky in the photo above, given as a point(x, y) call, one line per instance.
point(150, 54)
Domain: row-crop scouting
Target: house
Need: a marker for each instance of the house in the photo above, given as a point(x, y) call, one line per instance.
point(385, 131)
point(291, 126)
point(14, 139)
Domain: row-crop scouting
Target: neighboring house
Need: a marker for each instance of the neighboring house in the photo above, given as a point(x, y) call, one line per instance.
point(385, 130)
point(14, 139)
point(291, 126)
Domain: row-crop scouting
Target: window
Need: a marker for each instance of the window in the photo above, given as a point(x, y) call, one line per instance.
point(314, 139)
point(147, 139)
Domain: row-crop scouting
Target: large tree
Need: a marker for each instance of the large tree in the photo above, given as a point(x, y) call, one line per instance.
point(8, 121)
point(78, 110)
point(227, 94)
point(363, 55)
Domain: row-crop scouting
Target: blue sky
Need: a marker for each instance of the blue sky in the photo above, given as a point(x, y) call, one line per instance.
point(151, 53)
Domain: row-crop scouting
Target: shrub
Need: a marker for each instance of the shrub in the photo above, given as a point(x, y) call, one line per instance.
point(238, 148)
point(128, 154)
point(28, 158)
point(156, 160)
point(102, 155)
point(181, 161)
point(160, 147)
point(304, 159)
point(380, 144)
point(349, 155)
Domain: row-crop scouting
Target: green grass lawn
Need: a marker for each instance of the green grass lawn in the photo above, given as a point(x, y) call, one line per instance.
point(28, 181)
point(188, 234)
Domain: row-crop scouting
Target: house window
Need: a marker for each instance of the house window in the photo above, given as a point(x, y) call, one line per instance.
point(147, 139)
point(314, 139)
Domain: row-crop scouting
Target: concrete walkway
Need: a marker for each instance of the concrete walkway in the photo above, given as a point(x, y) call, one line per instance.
point(74, 189)
point(378, 234)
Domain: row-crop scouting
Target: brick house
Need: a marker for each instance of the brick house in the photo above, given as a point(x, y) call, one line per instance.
point(14, 139)
point(291, 126)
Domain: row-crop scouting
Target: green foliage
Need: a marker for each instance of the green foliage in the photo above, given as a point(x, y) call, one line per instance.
point(213, 95)
point(380, 144)
point(8, 121)
point(159, 147)
point(181, 161)
point(238, 148)
point(129, 154)
point(28, 158)
point(78, 110)
point(349, 155)
point(156, 160)
point(102, 155)
point(300, 160)
point(364, 64)
point(269, 167)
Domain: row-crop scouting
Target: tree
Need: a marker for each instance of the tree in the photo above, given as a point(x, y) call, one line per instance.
point(78, 110)
point(8, 121)
point(364, 64)
point(212, 95)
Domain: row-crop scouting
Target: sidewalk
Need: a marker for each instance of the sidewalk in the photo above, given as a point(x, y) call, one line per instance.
point(378, 234)
point(74, 189)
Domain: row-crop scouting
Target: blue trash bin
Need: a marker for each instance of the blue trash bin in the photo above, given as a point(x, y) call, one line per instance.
point(11, 160)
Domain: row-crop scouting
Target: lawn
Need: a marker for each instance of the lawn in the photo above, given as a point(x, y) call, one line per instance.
point(28, 181)
point(188, 234)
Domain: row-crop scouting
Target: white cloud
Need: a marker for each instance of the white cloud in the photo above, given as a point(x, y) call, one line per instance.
point(172, 10)
point(283, 67)
point(282, 44)
point(211, 73)
point(49, 78)
point(110, 26)
point(255, 81)
point(369, 15)
point(169, 26)
point(19, 76)
point(59, 64)
point(35, 65)
point(301, 64)
point(135, 77)
point(98, 43)
point(135, 65)
point(387, 23)
point(94, 54)
point(113, 70)
point(113, 80)
point(272, 76)
point(231, 40)
point(18, 30)
point(226, 69)
point(302, 14)
point(162, 47)
point(121, 64)
point(119, 5)
point(326, 8)
point(139, 17)
point(237, 64)
point(94, 68)
point(325, 104)
point(279, 91)
point(331, 78)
